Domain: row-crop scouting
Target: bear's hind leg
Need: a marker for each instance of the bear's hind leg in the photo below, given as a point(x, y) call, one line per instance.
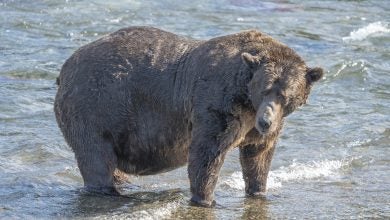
point(97, 162)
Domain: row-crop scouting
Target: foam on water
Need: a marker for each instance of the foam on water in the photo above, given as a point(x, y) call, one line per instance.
point(294, 172)
point(364, 32)
point(299, 171)
point(357, 143)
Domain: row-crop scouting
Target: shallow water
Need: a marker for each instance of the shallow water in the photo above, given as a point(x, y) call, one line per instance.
point(332, 160)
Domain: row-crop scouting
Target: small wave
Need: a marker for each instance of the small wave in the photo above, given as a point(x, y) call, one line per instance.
point(30, 106)
point(350, 67)
point(362, 33)
point(29, 74)
point(358, 143)
point(294, 172)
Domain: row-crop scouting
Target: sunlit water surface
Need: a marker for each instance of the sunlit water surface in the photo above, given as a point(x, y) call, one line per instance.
point(332, 160)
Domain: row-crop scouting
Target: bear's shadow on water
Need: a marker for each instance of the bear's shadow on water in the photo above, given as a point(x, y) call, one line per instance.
point(86, 204)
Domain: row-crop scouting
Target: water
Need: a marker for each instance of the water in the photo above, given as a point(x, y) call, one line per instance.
point(332, 160)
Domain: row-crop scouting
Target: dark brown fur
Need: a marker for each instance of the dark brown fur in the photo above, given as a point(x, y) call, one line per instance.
point(144, 101)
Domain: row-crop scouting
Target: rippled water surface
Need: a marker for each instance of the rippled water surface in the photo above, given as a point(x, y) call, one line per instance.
point(332, 160)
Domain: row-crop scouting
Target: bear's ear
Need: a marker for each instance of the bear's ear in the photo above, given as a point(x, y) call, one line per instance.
point(314, 74)
point(250, 60)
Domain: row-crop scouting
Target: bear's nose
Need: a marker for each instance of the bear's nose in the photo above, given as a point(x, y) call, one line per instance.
point(264, 123)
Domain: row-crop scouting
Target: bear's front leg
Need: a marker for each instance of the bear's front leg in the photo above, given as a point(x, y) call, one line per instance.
point(207, 152)
point(205, 162)
point(255, 162)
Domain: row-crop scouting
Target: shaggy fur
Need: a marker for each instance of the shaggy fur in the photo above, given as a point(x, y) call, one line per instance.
point(143, 101)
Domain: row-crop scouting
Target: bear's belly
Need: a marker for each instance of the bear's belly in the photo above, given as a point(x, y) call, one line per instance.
point(157, 159)
point(162, 161)
point(156, 143)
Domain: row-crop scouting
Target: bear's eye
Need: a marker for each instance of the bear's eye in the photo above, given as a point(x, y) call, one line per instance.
point(282, 97)
point(265, 92)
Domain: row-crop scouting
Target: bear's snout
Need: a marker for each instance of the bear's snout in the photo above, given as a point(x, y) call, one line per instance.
point(266, 117)
point(264, 123)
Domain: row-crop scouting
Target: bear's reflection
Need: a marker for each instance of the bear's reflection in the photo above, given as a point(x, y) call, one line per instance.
point(156, 204)
point(256, 208)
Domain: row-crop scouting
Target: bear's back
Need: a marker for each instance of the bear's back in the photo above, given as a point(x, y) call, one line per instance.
point(125, 52)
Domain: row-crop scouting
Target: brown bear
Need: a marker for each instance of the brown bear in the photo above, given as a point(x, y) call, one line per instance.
point(144, 101)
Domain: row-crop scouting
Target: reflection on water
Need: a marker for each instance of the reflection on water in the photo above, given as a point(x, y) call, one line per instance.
point(331, 160)
point(194, 213)
point(256, 209)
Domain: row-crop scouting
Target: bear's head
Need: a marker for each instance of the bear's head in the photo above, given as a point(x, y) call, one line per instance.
point(280, 83)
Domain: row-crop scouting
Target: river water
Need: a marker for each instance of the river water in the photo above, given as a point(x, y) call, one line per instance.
point(332, 160)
